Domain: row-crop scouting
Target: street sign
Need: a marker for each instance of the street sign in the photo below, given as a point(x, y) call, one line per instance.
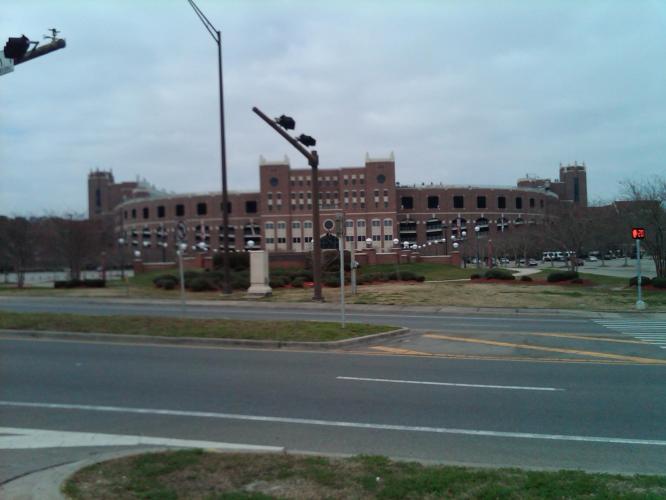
point(638, 233)
point(6, 65)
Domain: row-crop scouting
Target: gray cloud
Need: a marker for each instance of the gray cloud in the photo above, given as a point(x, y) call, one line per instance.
point(462, 92)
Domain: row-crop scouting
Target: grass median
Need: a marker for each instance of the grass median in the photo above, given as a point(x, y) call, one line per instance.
point(307, 331)
point(198, 474)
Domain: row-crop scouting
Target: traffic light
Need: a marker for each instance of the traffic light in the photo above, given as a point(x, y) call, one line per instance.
point(306, 140)
point(15, 48)
point(638, 233)
point(286, 122)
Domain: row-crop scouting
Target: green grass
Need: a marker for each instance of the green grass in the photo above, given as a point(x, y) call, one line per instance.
point(196, 474)
point(432, 272)
point(177, 327)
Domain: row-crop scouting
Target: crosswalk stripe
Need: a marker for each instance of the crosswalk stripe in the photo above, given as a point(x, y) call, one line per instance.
point(650, 331)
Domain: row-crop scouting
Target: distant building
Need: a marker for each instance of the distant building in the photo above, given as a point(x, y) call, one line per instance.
point(278, 217)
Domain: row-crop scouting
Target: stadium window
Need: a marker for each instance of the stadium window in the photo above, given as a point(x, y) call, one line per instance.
point(501, 202)
point(480, 202)
point(407, 202)
point(251, 207)
point(134, 213)
point(519, 202)
point(532, 203)
point(202, 209)
point(180, 210)
point(433, 201)
point(458, 201)
point(161, 212)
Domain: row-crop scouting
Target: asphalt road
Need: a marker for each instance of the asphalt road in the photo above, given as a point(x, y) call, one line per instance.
point(528, 413)
point(501, 413)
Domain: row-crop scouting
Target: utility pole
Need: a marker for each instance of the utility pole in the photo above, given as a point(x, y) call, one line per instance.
point(287, 123)
point(217, 37)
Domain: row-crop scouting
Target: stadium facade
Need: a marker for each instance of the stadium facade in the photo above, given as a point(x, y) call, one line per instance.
point(278, 217)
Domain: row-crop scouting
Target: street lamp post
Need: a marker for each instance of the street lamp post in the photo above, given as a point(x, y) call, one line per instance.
point(217, 37)
point(287, 123)
point(121, 244)
point(181, 249)
point(477, 229)
point(396, 244)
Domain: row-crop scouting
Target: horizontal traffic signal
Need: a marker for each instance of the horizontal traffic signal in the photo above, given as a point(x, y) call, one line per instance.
point(286, 122)
point(15, 48)
point(306, 140)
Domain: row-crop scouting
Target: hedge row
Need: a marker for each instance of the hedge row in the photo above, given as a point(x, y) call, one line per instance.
point(558, 276)
point(655, 282)
point(497, 273)
point(213, 280)
point(92, 283)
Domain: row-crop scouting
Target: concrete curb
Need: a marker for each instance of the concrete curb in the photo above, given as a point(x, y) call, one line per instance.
point(47, 484)
point(189, 341)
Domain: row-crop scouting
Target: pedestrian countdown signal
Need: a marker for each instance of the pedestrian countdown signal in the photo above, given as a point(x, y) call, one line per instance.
point(638, 233)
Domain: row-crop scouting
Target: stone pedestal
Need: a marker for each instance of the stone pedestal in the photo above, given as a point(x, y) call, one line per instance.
point(259, 274)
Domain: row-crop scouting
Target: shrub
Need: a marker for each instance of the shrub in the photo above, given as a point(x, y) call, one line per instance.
point(201, 284)
point(644, 281)
point(165, 280)
point(67, 284)
point(525, 278)
point(578, 281)
point(240, 282)
point(169, 285)
point(298, 282)
point(475, 277)
point(278, 281)
point(94, 283)
point(332, 281)
point(409, 276)
point(558, 276)
point(238, 261)
point(659, 282)
point(497, 273)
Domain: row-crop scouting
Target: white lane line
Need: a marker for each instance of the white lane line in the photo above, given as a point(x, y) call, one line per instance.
point(451, 384)
point(334, 423)
point(30, 439)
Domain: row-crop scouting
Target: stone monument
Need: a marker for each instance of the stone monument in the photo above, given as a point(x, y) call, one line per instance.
point(259, 274)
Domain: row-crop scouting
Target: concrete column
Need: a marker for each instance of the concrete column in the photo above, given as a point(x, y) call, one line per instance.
point(259, 274)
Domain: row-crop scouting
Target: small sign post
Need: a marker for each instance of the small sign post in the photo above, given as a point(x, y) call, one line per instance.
point(638, 233)
point(339, 232)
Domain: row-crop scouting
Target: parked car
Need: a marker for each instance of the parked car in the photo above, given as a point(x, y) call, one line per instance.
point(592, 258)
point(504, 260)
point(532, 263)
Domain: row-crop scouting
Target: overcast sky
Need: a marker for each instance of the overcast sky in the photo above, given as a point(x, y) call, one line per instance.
point(462, 92)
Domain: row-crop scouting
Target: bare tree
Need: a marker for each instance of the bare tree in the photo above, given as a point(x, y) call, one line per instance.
point(77, 242)
point(645, 206)
point(569, 230)
point(17, 241)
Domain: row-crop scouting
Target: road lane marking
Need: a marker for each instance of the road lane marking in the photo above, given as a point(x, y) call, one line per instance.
point(620, 357)
point(399, 350)
point(337, 423)
point(30, 439)
point(451, 384)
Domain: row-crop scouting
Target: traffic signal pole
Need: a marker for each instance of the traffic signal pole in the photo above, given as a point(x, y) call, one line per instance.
point(313, 161)
point(42, 51)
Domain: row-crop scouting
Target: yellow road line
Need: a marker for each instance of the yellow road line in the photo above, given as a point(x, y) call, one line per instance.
point(398, 350)
point(634, 359)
